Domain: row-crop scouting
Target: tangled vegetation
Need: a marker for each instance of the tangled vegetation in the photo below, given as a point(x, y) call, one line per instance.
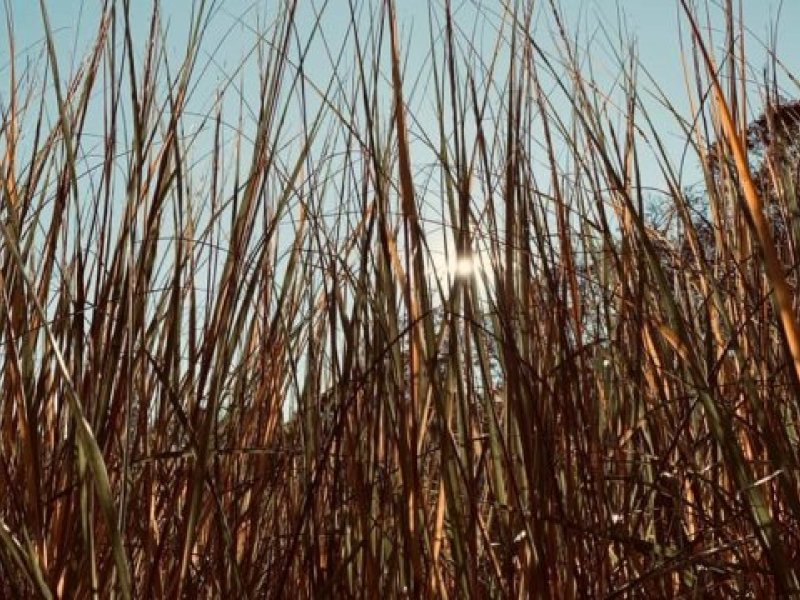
point(230, 366)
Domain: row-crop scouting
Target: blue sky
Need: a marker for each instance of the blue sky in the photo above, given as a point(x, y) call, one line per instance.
point(656, 27)
point(654, 24)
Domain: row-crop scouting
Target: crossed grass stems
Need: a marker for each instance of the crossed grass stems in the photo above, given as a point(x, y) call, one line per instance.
point(235, 374)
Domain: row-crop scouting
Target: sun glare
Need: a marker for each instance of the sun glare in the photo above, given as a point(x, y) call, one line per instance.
point(464, 267)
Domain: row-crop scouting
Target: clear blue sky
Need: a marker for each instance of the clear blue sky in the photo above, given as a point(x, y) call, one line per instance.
point(654, 24)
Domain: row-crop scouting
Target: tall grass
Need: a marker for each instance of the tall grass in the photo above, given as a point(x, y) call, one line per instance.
point(231, 369)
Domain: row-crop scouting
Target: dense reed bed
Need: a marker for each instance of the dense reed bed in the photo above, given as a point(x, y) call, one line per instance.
point(231, 367)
